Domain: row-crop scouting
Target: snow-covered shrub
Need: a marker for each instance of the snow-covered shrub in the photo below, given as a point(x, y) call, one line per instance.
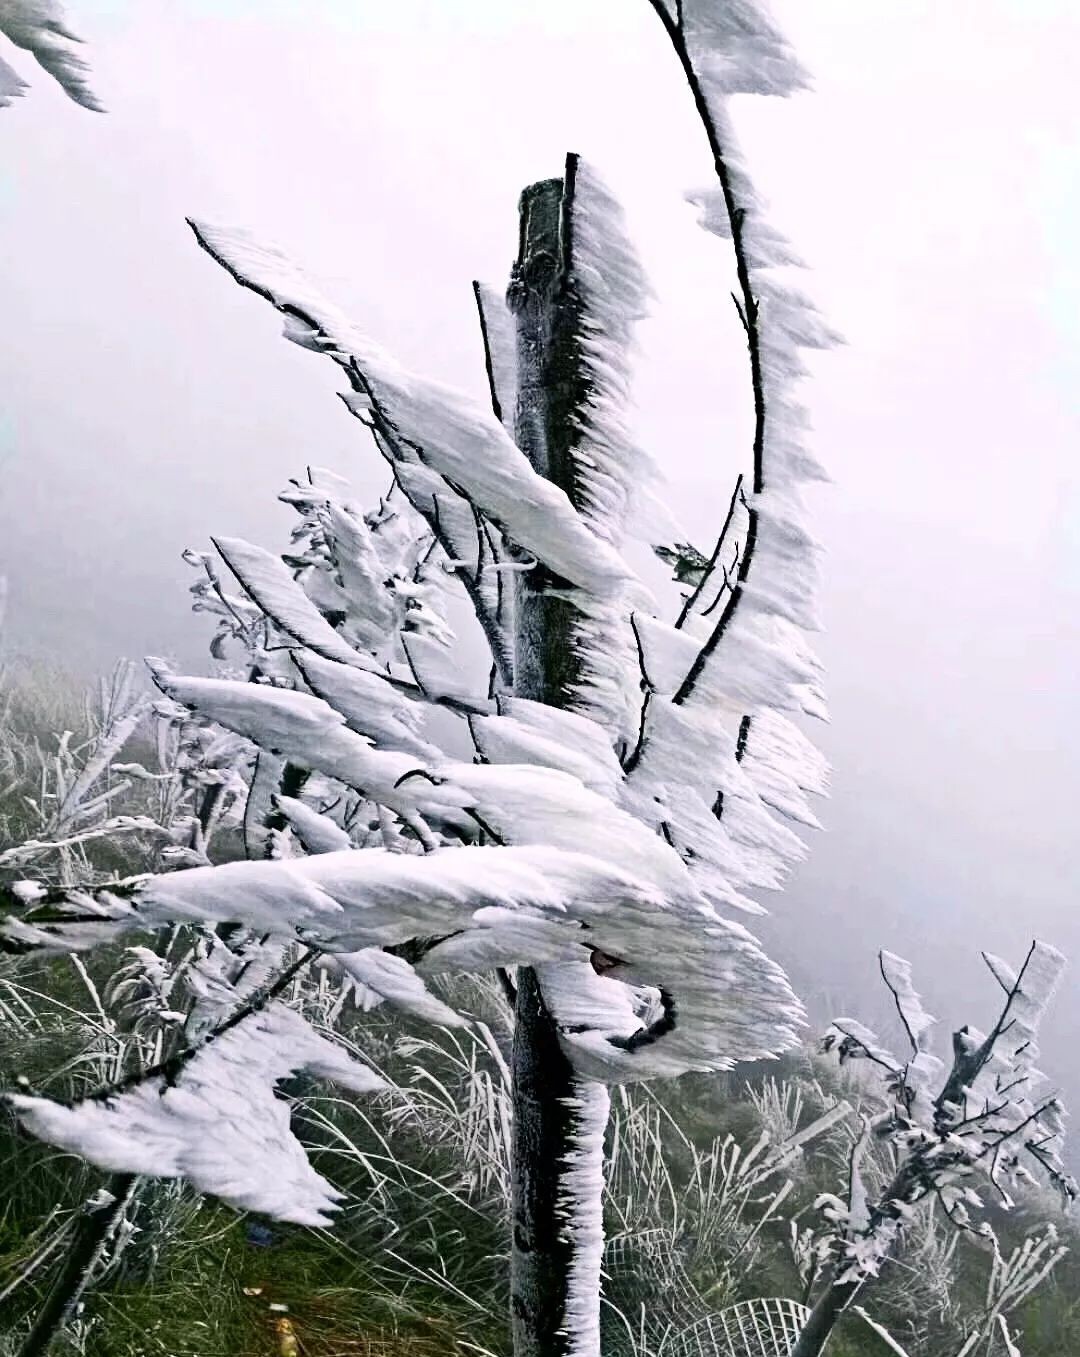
point(962, 1135)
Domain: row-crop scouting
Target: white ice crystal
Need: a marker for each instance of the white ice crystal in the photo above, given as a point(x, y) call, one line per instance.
point(40, 28)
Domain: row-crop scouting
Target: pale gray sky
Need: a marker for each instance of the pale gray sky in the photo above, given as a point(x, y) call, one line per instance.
point(931, 180)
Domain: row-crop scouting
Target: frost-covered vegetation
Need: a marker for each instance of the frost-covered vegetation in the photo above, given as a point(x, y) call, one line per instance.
point(702, 1216)
point(718, 1190)
point(375, 935)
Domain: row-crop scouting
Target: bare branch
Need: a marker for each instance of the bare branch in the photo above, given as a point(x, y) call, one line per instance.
point(691, 600)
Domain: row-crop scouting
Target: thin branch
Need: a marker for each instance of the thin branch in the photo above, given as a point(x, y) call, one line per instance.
point(743, 737)
point(492, 834)
point(387, 438)
point(912, 1041)
point(379, 422)
point(867, 1053)
point(489, 360)
point(967, 1066)
point(648, 1036)
point(97, 1222)
point(648, 690)
point(691, 600)
point(170, 1069)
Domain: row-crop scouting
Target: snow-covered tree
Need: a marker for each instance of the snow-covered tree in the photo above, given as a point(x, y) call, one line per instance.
point(38, 26)
point(584, 814)
point(962, 1135)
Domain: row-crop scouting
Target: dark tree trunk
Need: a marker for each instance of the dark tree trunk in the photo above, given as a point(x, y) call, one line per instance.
point(92, 1232)
point(542, 1254)
point(551, 389)
point(830, 1305)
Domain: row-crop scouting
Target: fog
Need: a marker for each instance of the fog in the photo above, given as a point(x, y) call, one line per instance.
point(930, 180)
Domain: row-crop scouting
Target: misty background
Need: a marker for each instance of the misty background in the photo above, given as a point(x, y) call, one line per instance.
point(931, 182)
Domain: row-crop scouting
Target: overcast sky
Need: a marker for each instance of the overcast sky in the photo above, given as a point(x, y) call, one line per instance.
point(931, 181)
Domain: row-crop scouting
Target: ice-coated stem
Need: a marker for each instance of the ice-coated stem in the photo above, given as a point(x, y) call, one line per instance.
point(747, 305)
point(828, 1308)
point(99, 1218)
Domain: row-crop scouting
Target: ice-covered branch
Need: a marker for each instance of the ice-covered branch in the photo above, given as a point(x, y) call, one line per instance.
point(951, 1133)
point(495, 906)
point(216, 1121)
point(432, 429)
point(39, 27)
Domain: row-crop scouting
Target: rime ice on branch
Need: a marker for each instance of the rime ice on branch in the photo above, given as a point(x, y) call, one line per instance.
point(601, 845)
point(964, 1134)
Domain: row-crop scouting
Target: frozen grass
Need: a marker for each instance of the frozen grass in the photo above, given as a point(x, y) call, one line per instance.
point(57, 784)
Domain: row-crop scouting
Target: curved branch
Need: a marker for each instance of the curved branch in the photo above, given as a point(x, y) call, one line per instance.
point(380, 424)
point(748, 314)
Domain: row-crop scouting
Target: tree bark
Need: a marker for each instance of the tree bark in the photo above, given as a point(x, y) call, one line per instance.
point(830, 1305)
point(549, 1268)
point(541, 1252)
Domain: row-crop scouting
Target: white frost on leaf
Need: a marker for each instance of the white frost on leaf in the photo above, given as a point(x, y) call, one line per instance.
point(371, 705)
point(271, 585)
point(318, 833)
point(393, 979)
point(507, 739)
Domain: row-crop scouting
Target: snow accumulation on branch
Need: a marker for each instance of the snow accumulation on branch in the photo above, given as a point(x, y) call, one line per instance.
point(39, 27)
point(715, 751)
point(769, 586)
point(495, 906)
point(429, 427)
